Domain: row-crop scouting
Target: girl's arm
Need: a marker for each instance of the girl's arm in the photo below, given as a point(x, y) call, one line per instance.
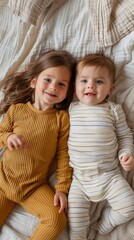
point(16, 141)
point(6, 126)
point(60, 199)
point(64, 171)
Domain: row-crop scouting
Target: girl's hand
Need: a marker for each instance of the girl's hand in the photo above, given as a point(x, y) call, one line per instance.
point(17, 142)
point(60, 199)
point(127, 162)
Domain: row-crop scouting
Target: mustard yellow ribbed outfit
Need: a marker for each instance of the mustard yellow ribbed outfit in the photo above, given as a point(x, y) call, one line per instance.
point(24, 173)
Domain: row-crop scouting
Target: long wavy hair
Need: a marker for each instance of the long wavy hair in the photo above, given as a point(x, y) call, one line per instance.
point(16, 87)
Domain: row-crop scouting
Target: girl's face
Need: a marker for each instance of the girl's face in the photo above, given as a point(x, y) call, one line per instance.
point(93, 84)
point(51, 87)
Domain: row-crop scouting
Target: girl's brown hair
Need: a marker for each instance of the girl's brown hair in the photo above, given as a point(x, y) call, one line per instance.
point(16, 87)
point(99, 61)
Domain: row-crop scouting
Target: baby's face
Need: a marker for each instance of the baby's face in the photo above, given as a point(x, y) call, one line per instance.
point(93, 84)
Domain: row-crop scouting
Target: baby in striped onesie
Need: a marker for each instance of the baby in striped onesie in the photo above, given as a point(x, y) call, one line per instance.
point(99, 139)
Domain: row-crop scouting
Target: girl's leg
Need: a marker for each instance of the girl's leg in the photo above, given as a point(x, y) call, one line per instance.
point(121, 199)
point(41, 204)
point(78, 213)
point(6, 207)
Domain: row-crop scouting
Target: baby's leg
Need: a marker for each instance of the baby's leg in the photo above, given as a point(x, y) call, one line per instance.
point(78, 213)
point(6, 207)
point(41, 204)
point(121, 199)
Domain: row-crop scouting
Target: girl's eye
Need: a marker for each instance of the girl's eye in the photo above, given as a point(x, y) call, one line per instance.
point(47, 80)
point(99, 81)
point(62, 84)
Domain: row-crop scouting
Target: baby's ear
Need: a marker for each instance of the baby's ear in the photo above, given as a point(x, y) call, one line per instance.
point(112, 88)
point(33, 83)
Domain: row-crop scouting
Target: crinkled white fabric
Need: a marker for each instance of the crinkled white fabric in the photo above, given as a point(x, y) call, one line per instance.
point(29, 11)
point(112, 20)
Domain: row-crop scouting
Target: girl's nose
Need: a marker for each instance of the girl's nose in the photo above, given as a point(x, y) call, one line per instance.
point(52, 86)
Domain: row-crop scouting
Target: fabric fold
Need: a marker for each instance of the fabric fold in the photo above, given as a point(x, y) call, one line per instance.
point(111, 19)
point(30, 10)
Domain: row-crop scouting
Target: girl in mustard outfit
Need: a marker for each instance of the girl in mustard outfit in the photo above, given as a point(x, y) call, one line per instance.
point(33, 132)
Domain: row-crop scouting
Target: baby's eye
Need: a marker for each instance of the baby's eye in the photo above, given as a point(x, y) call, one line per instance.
point(47, 80)
point(98, 81)
point(84, 80)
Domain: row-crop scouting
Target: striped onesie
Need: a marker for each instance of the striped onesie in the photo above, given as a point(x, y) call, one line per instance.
point(99, 137)
point(24, 173)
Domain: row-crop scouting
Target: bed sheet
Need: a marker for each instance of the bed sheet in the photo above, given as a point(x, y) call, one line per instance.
point(65, 25)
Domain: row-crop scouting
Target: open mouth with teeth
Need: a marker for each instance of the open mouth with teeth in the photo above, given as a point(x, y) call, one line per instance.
point(90, 94)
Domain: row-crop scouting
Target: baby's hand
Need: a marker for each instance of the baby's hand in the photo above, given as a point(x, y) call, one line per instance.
point(16, 141)
point(60, 199)
point(127, 162)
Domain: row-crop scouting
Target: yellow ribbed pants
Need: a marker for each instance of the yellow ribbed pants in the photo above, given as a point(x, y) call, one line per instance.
point(41, 204)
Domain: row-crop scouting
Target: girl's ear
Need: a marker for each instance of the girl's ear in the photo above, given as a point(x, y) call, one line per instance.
point(33, 83)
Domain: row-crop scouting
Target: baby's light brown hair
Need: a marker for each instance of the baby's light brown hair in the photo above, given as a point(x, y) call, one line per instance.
point(98, 60)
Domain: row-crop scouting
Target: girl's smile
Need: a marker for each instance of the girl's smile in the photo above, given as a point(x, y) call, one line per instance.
point(51, 87)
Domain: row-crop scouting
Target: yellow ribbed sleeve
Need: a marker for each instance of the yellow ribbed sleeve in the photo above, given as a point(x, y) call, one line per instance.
point(47, 135)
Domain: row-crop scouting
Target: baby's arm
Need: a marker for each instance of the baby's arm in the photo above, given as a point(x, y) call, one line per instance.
point(127, 162)
point(16, 141)
point(125, 139)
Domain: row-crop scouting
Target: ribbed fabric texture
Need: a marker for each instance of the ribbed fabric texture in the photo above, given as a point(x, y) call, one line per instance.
point(47, 133)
